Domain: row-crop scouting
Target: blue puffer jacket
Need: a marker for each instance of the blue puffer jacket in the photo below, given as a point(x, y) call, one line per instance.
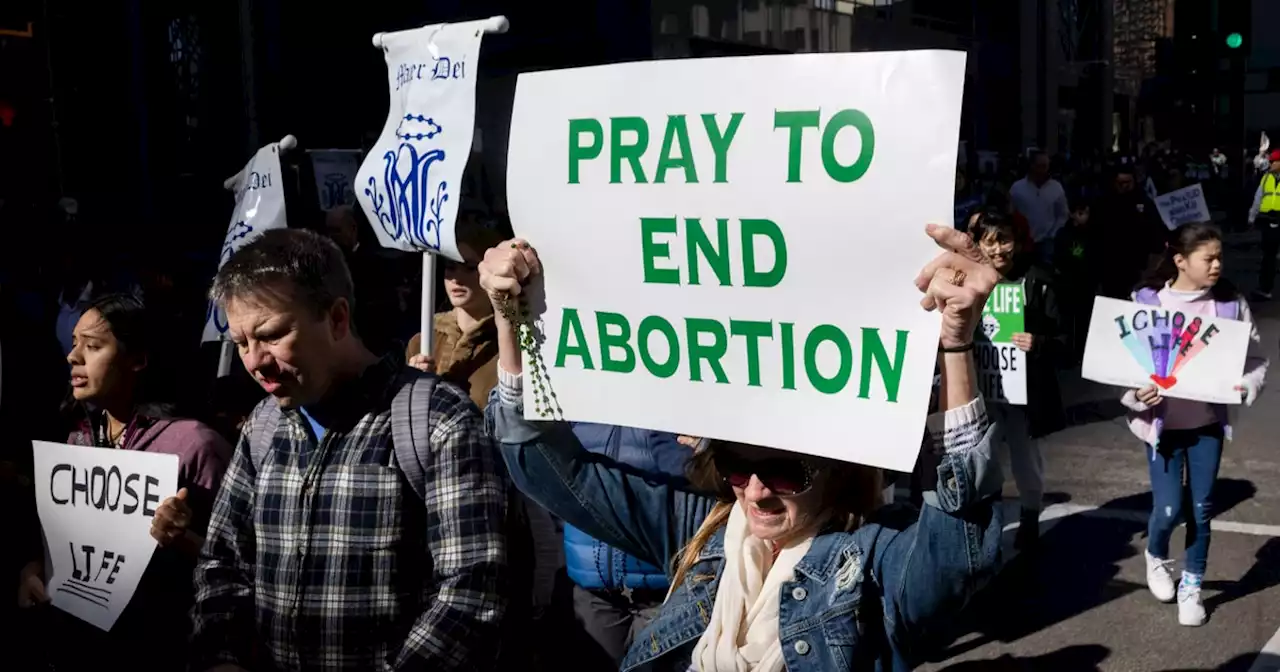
point(593, 564)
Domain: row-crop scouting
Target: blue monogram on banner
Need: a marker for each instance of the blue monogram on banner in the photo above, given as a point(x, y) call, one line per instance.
point(218, 316)
point(238, 231)
point(409, 203)
point(336, 191)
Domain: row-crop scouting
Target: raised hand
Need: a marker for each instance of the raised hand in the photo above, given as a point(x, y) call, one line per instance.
point(956, 283)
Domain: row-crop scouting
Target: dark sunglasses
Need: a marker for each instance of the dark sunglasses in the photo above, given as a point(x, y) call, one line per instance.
point(451, 265)
point(783, 477)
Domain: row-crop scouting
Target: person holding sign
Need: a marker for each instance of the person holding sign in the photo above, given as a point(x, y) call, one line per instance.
point(786, 565)
point(1185, 435)
point(112, 407)
point(1026, 290)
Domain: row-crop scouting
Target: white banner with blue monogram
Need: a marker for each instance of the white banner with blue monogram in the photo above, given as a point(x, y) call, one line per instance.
point(335, 171)
point(410, 183)
point(259, 207)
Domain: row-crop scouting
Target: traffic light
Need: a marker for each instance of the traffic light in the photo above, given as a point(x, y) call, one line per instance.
point(1235, 40)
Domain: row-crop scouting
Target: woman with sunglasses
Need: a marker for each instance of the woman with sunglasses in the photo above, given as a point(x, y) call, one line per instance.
point(782, 565)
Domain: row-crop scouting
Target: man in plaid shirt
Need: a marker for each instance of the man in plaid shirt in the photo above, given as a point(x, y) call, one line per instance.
point(320, 555)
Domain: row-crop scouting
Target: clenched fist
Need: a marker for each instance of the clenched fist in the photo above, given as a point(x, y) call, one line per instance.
point(506, 269)
point(956, 283)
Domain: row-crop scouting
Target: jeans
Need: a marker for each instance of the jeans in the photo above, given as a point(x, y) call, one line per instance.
point(1198, 452)
point(1023, 454)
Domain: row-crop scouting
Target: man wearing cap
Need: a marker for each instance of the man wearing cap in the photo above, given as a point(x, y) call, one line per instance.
point(1266, 214)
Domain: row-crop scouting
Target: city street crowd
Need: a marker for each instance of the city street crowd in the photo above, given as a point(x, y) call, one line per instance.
point(347, 502)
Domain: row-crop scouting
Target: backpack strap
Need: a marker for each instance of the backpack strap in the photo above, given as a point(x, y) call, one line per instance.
point(261, 430)
point(411, 429)
point(1147, 296)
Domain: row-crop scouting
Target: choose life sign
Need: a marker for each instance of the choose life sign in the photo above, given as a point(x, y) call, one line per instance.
point(1133, 345)
point(96, 507)
point(730, 244)
point(259, 194)
point(1001, 365)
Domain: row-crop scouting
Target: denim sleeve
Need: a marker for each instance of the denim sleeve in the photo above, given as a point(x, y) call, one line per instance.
point(669, 455)
point(928, 569)
point(648, 518)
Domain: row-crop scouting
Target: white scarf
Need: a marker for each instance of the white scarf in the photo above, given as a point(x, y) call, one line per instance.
point(743, 633)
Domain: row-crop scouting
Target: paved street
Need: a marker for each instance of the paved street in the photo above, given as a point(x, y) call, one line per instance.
point(1084, 605)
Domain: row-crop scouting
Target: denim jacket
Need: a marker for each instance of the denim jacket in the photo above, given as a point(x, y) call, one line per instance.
point(593, 564)
point(870, 599)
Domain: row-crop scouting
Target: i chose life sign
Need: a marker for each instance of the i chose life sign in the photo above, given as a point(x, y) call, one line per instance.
point(96, 507)
point(1188, 356)
point(730, 244)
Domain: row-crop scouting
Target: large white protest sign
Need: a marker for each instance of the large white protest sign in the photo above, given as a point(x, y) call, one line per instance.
point(410, 183)
point(1133, 345)
point(259, 194)
point(96, 507)
point(335, 171)
point(1184, 206)
point(730, 244)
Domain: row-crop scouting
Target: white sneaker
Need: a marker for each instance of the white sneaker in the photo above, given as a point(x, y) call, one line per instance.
point(1190, 607)
point(1160, 578)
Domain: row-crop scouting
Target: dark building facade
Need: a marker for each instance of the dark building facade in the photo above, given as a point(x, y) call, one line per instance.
point(154, 104)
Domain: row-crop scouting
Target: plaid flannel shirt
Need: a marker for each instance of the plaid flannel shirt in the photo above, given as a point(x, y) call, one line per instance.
point(328, 560)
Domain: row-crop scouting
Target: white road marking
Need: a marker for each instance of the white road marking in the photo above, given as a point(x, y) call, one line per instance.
point(1054, 512)
point(1268, 659)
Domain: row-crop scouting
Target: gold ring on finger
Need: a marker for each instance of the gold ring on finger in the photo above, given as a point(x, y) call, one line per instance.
point(958, 278)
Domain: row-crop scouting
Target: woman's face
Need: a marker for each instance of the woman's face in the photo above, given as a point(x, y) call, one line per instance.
point(100, 368)
point(999, 246)
point(1203, 266)
point(781, 496)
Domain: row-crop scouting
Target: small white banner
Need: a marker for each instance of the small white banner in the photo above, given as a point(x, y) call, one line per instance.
point(259, 207)
point(1184, 206)
point(751, 249)
point(96, 507)
point(1133, 345)
point(335, 171)
point(410, 184)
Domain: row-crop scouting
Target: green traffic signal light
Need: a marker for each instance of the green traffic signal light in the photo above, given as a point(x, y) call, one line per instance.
point(1234, 40)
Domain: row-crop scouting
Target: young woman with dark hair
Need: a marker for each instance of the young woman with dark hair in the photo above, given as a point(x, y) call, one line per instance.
point(1045, 343)
point(111, 406)
point(1184, 435)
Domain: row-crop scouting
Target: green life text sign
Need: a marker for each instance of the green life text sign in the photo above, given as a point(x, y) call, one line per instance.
point(730, 244)
point(1002, 366)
